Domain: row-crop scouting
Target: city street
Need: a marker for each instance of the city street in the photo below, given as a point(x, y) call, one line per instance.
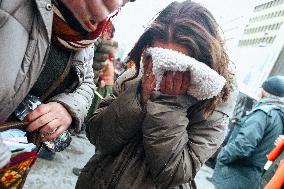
point(57, 174)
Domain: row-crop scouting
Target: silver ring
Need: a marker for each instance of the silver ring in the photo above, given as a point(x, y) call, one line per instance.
point(51, 132)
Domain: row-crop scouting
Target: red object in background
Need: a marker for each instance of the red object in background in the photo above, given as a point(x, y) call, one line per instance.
point(15, 174)
point(276, 151)
point(111, 57)
point(277, 181)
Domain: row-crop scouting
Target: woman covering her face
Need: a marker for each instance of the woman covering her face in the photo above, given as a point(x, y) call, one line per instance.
point(162, 128)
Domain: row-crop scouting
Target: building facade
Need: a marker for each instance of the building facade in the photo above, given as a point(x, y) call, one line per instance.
point(264, 24)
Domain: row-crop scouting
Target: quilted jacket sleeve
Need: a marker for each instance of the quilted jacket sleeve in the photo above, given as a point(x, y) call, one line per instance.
point(116, 124)
point(175, 146)
point(78, 102)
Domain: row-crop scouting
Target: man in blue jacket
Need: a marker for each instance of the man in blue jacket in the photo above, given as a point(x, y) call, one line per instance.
point(240, 162)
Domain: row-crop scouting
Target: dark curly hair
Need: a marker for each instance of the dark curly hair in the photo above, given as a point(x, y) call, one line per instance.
point(193, 26)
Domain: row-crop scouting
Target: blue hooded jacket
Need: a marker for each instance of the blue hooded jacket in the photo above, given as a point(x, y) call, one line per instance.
point(239, 163)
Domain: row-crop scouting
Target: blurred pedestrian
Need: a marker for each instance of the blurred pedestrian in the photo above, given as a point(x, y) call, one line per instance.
point(104, 58)
point(240, 162)
point(160, 139)
point(103, 68)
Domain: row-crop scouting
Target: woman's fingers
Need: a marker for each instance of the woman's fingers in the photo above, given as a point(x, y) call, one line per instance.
point(185, 82)
point(175, 84)
point(169, 83)
point(148, 80)
point(149, 65)
point(163, 85)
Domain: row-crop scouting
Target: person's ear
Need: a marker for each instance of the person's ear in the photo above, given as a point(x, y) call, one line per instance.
point(261, 93)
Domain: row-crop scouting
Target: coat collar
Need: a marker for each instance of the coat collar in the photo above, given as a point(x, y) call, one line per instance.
point(45, 9)
point(270, 100)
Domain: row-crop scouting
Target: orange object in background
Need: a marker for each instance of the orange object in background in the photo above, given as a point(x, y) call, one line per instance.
point(276, 151)
point(277, 181)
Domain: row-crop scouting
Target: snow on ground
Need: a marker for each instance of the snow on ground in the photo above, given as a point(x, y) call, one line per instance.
point(57, 174)
point(202, 176)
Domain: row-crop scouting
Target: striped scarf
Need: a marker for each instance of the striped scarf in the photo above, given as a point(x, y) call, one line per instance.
point(69, 34)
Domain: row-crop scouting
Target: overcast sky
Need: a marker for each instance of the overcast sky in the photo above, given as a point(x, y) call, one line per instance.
point(133, 18)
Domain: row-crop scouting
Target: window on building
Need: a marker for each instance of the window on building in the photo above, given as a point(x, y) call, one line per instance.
point(274, 2)
point(262, 40)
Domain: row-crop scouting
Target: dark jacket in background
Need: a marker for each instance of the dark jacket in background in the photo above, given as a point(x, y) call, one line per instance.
point(240, 162)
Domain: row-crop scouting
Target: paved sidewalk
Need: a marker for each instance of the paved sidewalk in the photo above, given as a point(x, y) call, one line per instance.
point(201, 178)
point(57, 174)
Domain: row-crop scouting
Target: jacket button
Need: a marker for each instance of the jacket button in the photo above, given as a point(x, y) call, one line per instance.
point(48, 7)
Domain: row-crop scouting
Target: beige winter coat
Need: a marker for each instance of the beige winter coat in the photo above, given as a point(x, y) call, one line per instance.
point(25, 35)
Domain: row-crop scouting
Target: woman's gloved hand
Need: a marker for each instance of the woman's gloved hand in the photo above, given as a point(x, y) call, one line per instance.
point(171, 84)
